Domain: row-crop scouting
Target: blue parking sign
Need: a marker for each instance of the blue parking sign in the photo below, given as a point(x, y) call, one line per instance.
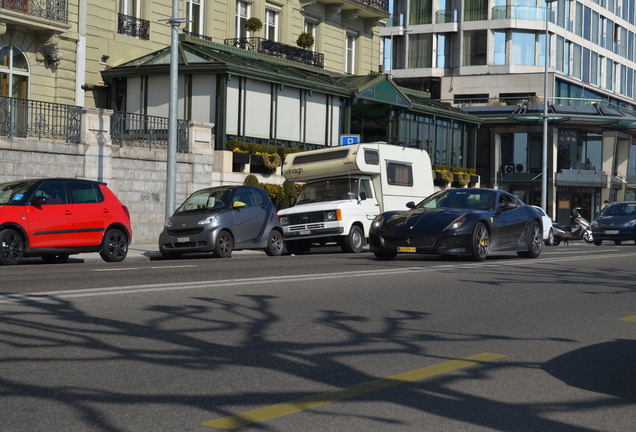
point(349, 139)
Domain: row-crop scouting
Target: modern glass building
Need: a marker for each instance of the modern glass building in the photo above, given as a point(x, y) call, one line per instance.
point(488, 57)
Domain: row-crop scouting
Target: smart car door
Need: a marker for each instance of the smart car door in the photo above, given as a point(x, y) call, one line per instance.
point(92, 213)
point(50, 217)
point(249, 219)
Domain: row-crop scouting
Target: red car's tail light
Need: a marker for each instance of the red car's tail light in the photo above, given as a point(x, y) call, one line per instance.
point(126, 210)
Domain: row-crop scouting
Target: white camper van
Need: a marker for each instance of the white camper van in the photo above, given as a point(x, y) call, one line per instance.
point(346, 188)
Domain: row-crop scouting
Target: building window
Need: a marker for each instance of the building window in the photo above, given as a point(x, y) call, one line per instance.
point(500, 47)
point(560, 53)
point(475, 48)
point(576, 60)
point(523, 48)
point(350, 54)
point(475, 10)
point(421, 51)
point(243, 12)
point(14, 72)
point(194, 16)
point(271, 21)
point(131, 8)
point(311, 27)
point(443, 50)
point(420, 12)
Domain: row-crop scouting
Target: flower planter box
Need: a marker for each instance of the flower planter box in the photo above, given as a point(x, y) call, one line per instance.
point(241, 158)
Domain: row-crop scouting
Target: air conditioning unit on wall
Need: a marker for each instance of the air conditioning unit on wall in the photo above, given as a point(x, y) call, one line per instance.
point(508, 169)
point(514, 168)
point(520, 168)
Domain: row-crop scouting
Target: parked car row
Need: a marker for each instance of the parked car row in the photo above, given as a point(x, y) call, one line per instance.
point(54, 218)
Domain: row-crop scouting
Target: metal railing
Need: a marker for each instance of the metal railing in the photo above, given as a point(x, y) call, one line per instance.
point(133, 27)
point(378, 4)
point(151, 132)
point(24, 118)
point(446, 16)
point(198, 35)
point(280, 50)
point(54, 10)
point(522, 12)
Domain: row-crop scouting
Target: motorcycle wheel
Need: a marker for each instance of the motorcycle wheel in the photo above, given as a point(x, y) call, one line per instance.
point(557, 241)
point(587, 236)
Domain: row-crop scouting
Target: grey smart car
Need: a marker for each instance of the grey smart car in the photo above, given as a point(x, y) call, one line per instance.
point(223, 219)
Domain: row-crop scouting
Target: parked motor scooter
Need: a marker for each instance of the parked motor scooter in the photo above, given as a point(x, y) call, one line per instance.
point(580, 230)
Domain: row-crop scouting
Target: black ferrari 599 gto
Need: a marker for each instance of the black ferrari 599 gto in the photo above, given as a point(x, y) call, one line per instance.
point(468, 222)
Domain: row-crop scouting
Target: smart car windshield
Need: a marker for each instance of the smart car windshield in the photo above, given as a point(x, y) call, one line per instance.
point(329, 190)
point(458, 198)
point(14, 193)
point(206, 200)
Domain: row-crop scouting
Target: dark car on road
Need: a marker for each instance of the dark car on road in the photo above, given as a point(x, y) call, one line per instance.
point(222, 219)
point(56, 217)
point(616, 222)
point(469, 222)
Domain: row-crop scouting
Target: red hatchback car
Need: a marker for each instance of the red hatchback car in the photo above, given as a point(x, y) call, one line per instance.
point(56, 217)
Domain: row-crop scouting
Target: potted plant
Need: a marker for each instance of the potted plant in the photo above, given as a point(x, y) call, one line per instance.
point(305, 40)
point(253, 24)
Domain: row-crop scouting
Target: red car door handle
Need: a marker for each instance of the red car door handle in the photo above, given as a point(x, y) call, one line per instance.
point(106, 210)
point(68, 212)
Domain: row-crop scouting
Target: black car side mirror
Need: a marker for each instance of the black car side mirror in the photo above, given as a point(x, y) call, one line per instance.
point(363, 196)
point(508, 206)
point(38, 200)
point(410, 205)
point(292, 201)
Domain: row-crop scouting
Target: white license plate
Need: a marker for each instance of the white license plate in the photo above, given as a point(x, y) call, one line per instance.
point(183, 239)
point(304, 232)
point(611, 231)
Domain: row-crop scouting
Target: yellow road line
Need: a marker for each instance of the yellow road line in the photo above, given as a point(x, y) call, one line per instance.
point(285, 408)
point(631, 318)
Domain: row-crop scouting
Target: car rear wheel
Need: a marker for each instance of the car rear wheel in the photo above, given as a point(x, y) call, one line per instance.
point(598, 242)
point(55, 259)
point(354, 242)
point(481, 242)
point(11, 247)
point(550, 240)
point(385, 256)
point(295, 247)
point(114, 246)
point(534, 242)
point(274, 243)
point(224, 245)
point(618, 242)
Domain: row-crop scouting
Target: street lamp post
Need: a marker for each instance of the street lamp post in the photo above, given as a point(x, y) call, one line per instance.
point(401, 31)
point(544, 157)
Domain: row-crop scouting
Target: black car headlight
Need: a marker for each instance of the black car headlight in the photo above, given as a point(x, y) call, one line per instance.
point(377, 222)
point(456, 223)
point(209, 220)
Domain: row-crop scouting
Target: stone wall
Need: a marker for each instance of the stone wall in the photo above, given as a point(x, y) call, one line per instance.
point(137, 176)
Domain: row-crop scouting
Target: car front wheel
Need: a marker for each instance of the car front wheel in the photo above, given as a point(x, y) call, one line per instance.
point(480, 242)
point(274, 243)
point(534, 242)
point(224, 245)
point(11, 247)
point(354, 242)
point(550, 240)
point(114, 246)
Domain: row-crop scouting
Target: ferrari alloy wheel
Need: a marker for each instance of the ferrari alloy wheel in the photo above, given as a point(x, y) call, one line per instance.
point(11, 247)
point(274, 243)
point(481, 242)
point(224, 245)
point(534, 241)
point(114, 246)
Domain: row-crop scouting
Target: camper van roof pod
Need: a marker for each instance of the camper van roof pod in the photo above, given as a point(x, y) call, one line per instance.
point(332, 161)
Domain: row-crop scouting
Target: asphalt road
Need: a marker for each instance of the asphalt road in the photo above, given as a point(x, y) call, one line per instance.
point(322, 342)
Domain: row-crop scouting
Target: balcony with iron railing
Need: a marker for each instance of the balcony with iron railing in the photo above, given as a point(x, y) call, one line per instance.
point(36, 14)
point(133, 27)
point(378, 9)
point(279, 50)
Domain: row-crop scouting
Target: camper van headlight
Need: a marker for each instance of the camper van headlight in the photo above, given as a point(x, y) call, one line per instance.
point(283, 220)
point(333, 215)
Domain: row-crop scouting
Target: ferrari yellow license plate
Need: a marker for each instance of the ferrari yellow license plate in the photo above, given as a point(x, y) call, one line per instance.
point(406, 249)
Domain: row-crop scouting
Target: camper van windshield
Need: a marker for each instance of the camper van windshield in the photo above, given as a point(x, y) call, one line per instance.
point(329, 190)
